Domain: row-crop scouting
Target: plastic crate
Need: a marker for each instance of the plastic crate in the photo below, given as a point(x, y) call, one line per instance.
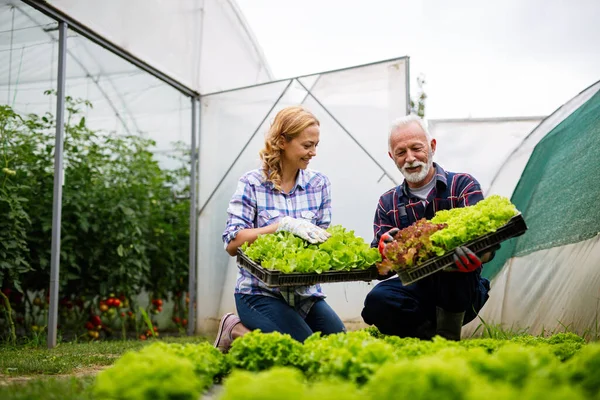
point(514, 227)
point(279, 279)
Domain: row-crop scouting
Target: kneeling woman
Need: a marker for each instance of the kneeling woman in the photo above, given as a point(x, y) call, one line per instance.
point(283, 195)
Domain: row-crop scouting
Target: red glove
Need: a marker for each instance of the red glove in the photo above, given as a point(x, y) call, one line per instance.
point(466, 260)
point(386, 238)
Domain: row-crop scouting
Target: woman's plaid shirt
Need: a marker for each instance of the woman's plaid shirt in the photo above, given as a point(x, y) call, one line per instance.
point(256, 203)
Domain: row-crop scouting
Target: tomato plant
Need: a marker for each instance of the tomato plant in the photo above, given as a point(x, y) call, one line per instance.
point(124, 227)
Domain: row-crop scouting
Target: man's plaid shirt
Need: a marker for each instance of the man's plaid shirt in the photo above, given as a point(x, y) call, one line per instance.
point(397, 208)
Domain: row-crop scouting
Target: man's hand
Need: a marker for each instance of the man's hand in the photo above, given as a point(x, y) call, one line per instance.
point(303, 229)
point(386, 238)
point(465, 260)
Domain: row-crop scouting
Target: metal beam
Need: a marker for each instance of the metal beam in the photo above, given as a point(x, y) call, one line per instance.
point(191, 327)
point(244, 148)
point(348, 133)
point(58, 183)
point(307, 75)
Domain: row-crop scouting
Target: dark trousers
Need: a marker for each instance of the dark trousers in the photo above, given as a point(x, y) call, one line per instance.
point(410, 311)
point(270, 314)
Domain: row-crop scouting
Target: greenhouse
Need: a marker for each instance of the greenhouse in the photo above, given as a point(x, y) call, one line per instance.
point(123, 141)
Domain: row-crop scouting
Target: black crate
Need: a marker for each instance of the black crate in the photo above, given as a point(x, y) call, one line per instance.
point(279, 279)
point(515, 227)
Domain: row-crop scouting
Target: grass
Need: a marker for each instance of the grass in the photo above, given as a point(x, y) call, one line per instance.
point(497, 331)
point(67, 358)
point(49, 389)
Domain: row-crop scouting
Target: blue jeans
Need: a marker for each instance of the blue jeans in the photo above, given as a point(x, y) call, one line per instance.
point(410, 311)
point(270, 314)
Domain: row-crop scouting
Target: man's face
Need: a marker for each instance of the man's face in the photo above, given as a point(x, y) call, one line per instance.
point(412, 153)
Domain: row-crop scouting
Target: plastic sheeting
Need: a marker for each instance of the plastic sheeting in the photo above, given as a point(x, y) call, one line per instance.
point(355, 107)
point(204, 44)
point(125, 99)
point(507, 177)
point(548, 280)
point(479, 146)
point(547, 291)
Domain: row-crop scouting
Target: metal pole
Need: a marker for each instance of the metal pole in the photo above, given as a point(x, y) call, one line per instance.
point(244, 148)
point(191, 327)
point(76, 26)
point(58, 182)
point(348, 133)
point(407, 75)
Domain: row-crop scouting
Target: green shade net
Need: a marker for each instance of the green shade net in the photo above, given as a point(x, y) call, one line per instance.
point(559, 190)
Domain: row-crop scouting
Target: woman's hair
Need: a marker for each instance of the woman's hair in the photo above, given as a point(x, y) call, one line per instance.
point(287, 125)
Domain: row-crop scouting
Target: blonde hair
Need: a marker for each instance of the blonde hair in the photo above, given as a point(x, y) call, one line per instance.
point(287, 125)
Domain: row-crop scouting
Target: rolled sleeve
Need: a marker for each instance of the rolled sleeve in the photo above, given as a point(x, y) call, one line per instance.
point(240, 212)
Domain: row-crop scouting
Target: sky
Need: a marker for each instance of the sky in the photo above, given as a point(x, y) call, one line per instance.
point(479, 58)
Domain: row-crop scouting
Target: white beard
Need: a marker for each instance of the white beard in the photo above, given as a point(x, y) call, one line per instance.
point(416, 177)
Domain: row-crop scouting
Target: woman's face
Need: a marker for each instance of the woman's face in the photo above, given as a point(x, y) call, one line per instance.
point(298, 152)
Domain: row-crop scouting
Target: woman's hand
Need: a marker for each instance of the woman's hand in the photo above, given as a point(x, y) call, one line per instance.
point(304, 229)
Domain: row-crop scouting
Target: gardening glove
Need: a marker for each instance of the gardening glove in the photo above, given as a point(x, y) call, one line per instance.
point(386, 238)
point(304, 229)
point(465, 260)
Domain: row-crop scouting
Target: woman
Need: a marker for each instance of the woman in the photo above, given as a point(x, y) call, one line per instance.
point(283, 195)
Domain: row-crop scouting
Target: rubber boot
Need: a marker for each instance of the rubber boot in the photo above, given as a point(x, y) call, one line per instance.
point(449, 324)
point(425, 331)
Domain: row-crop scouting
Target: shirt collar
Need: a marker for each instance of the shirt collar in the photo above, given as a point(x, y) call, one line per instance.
point(441, 178)
point(301, 181)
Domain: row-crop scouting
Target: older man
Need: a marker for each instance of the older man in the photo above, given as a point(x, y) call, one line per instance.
point(443, 302)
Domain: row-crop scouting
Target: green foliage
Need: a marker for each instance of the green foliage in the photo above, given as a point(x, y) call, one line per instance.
point(353, 356)
point(276, 384)
point(351, 366)
point(149, 374)
point(257, 351)
point(517, 365)
point(423, 378)
point(124, 227)
point(468, 223)
point(285, 252)
point(583, 370)
point(418, 107)
point(209, 363)
point(15, 220)
point(284, 383)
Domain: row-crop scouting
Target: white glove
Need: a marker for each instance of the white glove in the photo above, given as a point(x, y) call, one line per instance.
point(303, 229)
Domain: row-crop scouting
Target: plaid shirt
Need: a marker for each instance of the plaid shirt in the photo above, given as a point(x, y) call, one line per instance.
point(397, 208)
point(256, 203)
